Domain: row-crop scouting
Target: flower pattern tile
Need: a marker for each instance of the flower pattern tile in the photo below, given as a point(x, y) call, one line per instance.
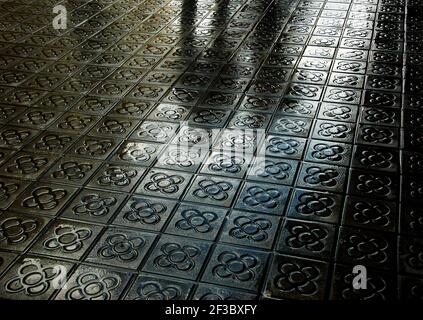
point(211, 150)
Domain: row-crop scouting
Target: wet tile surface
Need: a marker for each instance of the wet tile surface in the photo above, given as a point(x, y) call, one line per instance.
point(231, 149)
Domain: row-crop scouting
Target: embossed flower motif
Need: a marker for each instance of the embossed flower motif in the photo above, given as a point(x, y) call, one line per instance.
point(300, 279)
point(113, 126)
point(368, 213)
point(196, 220)
point(117, 176)
point(170, 112)
point(415, 189)
point(211, 189)
point(338, 112)
point(323, 151)
point(16, 230)
point(333, 130)
point(325, 177)
point(376, 289)
point(352, 54)
point(94, 147)
point(280, 145)
point(45, 198)
point(416, 223)
point(67, 238)
point(92, 286)
point(308, 237)
point(155, 291)
point(194, 136)
point(13, 137)
point(219, 99)
point(385, 83)
point(415, 256)
point(367, 247)
point(230, 164)
point(324, 41)
point(376, 135)
point(349, 66)
point(346, 80)
point(155, 130)
point(27, 165)
point(416, 138)
point(209, 116)
point(164, 183)
point(303, 91)
point(94, 205)
point(236, 266)
point(374, 158)
point(314, 204)
point(276, 170)
point(238, 140)
point(249, 121)
point(305, 75)
point(258, 103)
point(288, 125)
point(297, 107)
point(177, 257)
point(32, 278)
point(254, 229)
point(144, 211)
point(381, 99)
point(122, 247)
point(315, 64)
point(372, 184)
point(37, 118)
point(52, 142)
point(181, 158)
point(134, 151)
point(257, 196)
point(342, 95)
point(75, 122)
point(357, 33)
point(72, 170)
point(7, 189)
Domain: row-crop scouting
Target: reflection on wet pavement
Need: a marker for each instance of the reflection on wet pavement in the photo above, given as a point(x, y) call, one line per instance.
point(302, 130)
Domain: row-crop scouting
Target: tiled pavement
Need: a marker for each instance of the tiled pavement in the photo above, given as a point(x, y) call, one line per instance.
point(94, 188)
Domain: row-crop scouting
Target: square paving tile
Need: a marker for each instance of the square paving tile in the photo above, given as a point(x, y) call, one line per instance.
point(283, 284)
point(164, 183)
point(250, 229)
point(201, 222)
point(117, 177)
point(17, 283)
point(148, 287)
point(66, 239)
point(263, 198)
point(180, 256)
point(43, 198)
point(192, 141)
point(29, 227)
point(145, 212)
point(71, 171)
point(307, 239)
point(93, 206)
point(213, 190)
point(380, 252)
point(123, 248)
point(236, 267)
point(108, 284)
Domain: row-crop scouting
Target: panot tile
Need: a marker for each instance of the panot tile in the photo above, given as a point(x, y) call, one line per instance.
point(212, 150)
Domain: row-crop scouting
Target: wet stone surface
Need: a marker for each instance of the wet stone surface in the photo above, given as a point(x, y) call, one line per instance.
point(230, 149)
